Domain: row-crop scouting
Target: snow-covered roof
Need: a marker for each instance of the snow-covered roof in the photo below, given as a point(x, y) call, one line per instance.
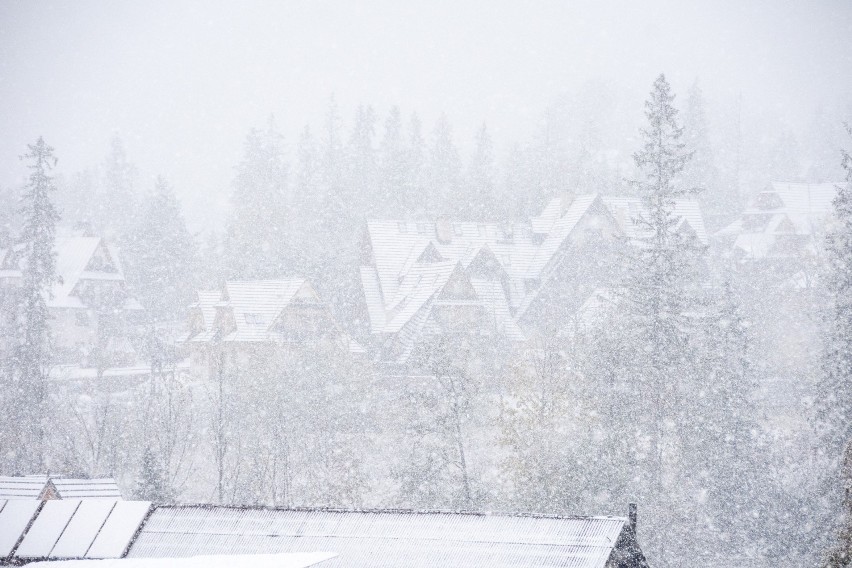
point(783, 209)
point(22, 487)
point(43, 486)
point(69, 528)
point(248, 311)
point(284, 560)
point(377, 539)
point(412, 262)
point(79, 259)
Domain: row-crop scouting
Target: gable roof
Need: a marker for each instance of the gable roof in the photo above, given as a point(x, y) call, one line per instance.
point(38, 486)
point(411, 264)
point(248, 310)
point(75, 263)
point(378, 539)
point(783, 208)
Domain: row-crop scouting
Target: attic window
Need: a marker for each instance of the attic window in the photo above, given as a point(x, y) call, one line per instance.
point(253, 319)
point(767, 200)
point(402, 226)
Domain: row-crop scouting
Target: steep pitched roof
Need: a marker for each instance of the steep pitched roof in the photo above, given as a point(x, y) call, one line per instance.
point(783, 208)
point(378, 539)
point(79, 259)
point(255, 304)
point(37, 486)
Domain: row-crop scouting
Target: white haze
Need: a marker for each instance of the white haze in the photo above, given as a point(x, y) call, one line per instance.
point(181, 82)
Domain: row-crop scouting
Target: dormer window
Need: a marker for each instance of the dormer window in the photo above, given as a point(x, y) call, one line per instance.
point(253, 319)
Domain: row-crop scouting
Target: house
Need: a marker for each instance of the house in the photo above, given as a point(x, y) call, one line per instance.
point(786, 221)
point(44, 487)
point(136, 530)
point(490, 279)
point(88, 301)
point(253, 317)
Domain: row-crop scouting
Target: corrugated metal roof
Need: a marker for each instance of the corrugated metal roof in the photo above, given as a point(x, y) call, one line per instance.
point(291, 560)
point(378, 539)
point(77, 528)
point(103, 488)
point(15, 516)
point(27, 487)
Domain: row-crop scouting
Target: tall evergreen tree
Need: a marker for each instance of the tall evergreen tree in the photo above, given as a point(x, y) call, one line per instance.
point(481, 177)
point(39, 274)
point(394, 165)
point(257, 237)
point(444, 173)
point(361, 169)
point(117, 204)
point(162, 256)
point(659, 291)
point(834, 398)
point(701, 172)
point(416, 199)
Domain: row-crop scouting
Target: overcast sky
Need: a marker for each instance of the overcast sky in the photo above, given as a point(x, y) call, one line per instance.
point(182, 82)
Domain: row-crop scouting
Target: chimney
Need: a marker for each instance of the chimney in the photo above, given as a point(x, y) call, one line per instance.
point(631, 516)
point(444, 230)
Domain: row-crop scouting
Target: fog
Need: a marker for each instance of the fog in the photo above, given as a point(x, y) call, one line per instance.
point(181, 82)
point(547, 259)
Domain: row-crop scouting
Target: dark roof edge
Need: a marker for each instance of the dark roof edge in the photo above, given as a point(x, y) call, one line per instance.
point(386, 511)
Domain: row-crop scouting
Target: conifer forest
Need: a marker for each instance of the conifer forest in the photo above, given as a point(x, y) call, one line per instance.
point(543, 258)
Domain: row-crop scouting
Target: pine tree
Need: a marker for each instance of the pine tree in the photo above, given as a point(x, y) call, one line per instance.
point(162, 256)
point(416, 197)
point(39, 274)
point(361, 170)
point(151, 484)
point(481, 177)
point(257, 237)
point(834, 403)
point(117, 205)
point(444, 173)
point(701, 172)
point(659, 292)
point(394, 165)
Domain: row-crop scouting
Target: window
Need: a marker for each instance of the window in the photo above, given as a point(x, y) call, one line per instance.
point(422, 229)
point(403, 228)
point(253, 319)
point(481, 230)
point(506, 260)
point(457, 229)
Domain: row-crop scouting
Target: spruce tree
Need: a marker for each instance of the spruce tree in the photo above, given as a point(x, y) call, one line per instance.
point(659, 293)
point(444, 173)
point(700, 172)
point(257, 236)
point(162, 256)
point(834, 391)
point(394, 166)
point(481, 177)
point(416, 198)
point(39, 274)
